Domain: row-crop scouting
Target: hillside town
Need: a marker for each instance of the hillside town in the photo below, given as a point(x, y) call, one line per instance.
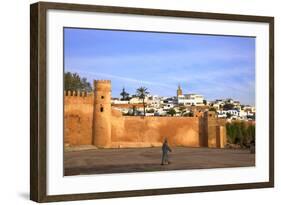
point(181, 105)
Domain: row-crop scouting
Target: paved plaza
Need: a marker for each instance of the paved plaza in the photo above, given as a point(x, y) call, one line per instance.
point(103, 161)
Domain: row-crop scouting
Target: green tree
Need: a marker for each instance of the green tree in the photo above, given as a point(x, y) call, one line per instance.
point(182, 109)
point(245, 137)
point(171, 111)
point(124, 94)
point(240, 133)
point(151, 110)
point(230, 133)
point(228, 106)
point(212, 109)
point(134, 110)
point(142, 93)
point(233, 133)
point(85, 85)
point(228, 115)
point(205, 102)
point(251, 130)
point(73, 82)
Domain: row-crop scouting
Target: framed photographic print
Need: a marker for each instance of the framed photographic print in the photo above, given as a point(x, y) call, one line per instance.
point(135, 102)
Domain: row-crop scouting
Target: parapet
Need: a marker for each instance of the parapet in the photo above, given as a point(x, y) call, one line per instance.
point(102, 85)
point(77, 97)
point(76, 93)
point(102, 81)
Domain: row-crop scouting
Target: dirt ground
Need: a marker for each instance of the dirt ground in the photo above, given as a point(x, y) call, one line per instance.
point(103, 161)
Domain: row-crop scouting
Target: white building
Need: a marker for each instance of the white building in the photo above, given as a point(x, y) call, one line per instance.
point(168, 103)
point(154, 101)
point(137, 100)
point(168, 106)
point(160, 112)
point(117, 101)
point(217, 103)
point(190, 99)
point(222, 113)
point(233, 113)
point(249, 108)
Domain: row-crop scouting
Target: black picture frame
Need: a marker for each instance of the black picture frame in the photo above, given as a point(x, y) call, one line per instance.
point(38, 101)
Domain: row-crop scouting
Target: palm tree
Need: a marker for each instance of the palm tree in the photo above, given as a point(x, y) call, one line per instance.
point(142, 93)
point(124, 94)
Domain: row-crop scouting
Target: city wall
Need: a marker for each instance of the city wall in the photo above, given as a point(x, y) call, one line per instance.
point(78, 119)
point(92, 120)
point(150, 131)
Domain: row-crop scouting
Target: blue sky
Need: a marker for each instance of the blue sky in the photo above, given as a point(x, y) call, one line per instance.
point(214, 66)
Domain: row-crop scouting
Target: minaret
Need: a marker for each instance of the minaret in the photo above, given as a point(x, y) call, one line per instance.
point(179, 91)
point(102, 113)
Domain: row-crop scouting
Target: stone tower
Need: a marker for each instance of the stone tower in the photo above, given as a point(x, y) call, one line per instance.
point(211, 127)
point(215, 134)
point(179, 91)
point(102, 114)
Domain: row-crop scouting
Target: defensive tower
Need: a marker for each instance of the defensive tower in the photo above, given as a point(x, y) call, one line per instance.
point(102, 113)
point(215, 133)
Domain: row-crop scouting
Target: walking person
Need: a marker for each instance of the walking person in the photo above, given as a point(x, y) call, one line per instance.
point(165, 150)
